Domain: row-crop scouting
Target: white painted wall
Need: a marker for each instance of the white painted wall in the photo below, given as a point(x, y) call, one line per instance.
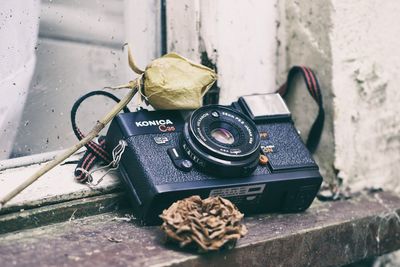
point(238, 37)
point(353, 46)
point(304, 39)
point(142, 30)
point(366, 65)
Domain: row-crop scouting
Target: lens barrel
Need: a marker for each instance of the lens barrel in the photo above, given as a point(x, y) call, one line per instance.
point(222, 141)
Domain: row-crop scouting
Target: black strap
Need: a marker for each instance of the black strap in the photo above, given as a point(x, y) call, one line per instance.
point(95, 151)
point(314, 89)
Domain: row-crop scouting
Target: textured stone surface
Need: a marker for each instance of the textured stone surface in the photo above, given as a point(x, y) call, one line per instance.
point(365, 81)
point(60, 212)
point(303, 39)
point(56, 186)
point(328, 234)
point(351, 46)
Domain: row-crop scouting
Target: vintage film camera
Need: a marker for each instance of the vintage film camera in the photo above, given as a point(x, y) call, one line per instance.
point(217, 151)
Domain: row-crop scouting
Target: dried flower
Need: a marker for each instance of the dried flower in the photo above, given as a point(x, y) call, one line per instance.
point(174, 82)
point(210, 224)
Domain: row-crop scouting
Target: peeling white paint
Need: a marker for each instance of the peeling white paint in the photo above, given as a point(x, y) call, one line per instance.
point(303, 37)
point(353, 48)
point(238, 37)
point(365, 42)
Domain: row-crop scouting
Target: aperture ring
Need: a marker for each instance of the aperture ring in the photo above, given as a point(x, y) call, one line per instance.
point(240, 127)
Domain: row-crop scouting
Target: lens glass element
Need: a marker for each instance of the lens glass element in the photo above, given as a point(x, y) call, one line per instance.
point(223, 136)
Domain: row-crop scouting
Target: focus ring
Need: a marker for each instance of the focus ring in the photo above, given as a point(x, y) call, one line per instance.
point(228, 143)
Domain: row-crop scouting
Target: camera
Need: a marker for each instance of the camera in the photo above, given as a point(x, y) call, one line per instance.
point(248, 152)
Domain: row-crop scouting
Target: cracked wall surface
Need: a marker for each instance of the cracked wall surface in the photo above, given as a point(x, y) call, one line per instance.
point(303, 39)
point(238, 37)
point(366, 62)
point(365, 79)
point(353, 46)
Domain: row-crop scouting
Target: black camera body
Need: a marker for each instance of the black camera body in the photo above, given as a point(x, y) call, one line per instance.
point(248, 152)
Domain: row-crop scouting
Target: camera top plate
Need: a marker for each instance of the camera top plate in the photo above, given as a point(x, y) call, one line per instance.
point(264, 106)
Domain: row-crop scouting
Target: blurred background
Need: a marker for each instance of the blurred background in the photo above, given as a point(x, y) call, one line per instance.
point(52, 53)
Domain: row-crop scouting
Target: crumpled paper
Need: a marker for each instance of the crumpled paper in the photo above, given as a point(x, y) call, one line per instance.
point(174, 82)
point(208, 224)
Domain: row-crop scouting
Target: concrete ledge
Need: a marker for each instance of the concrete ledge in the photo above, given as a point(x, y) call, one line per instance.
point(61, 212)
point(328, 234)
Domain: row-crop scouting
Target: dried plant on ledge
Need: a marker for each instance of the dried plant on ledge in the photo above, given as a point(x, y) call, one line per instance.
point(209, 224)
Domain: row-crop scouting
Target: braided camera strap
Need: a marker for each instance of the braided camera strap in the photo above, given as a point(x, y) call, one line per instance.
point(95, 152)
point(314, 89)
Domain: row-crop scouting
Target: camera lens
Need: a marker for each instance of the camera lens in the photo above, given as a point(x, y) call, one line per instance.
point(224, 145)
point(223, 136)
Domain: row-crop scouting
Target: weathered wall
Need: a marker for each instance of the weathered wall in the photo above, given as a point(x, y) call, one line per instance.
point(366, 64)
point(237, 37)
point(353, 46)
point(303, 38)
